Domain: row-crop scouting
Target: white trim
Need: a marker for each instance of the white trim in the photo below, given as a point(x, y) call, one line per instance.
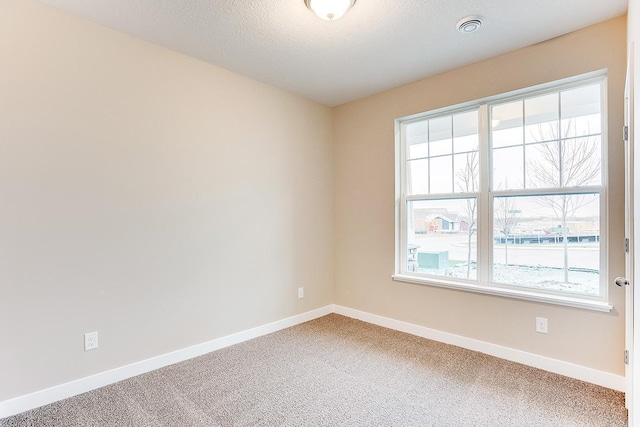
point(590, 375)
point(399, 209)
point(83, 385)
point(486, 195)
point(491, 289)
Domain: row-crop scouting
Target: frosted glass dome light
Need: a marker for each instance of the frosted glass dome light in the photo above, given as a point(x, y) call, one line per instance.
point(329, 10)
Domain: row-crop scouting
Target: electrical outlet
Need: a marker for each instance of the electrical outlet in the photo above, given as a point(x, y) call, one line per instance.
point(90, 341)
point(542, 325)
point(300, 292)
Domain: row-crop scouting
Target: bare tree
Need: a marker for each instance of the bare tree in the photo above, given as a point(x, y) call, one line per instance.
point(468, 183)
point(562, 163)
point(505, 217)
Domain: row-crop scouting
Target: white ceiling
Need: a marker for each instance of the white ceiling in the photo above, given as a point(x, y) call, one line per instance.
point(377, 45)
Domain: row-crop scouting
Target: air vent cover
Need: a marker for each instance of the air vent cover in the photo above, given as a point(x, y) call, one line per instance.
point(469, 24)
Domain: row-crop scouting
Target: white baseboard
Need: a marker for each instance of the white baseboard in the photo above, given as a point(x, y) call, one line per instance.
point(594, 376)
point(82, 385)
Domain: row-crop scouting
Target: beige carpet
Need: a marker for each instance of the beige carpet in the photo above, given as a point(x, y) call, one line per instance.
point(337, 371)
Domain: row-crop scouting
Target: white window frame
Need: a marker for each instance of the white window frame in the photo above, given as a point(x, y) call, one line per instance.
point(485, 197)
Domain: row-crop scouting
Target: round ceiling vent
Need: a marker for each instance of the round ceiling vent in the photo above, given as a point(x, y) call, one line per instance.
point(469, 24)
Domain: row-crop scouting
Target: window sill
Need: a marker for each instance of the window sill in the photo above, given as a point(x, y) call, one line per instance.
point(568, 301)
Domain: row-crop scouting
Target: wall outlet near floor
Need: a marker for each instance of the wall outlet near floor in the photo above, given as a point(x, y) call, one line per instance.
point(300, 292)
point(542, 325)
point(90, 341)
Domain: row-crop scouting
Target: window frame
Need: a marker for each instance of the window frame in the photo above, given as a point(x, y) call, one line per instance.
point(486, 196)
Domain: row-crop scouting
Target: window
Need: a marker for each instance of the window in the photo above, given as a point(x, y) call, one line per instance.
point(508, 195)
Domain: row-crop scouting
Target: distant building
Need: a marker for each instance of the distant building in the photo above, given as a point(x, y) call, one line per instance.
point(438, 220)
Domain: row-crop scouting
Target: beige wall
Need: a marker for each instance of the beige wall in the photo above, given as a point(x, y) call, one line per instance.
point(364, 205)
point(154, 198)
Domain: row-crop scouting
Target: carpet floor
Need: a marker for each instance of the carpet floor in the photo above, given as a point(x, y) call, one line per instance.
point(336, 371)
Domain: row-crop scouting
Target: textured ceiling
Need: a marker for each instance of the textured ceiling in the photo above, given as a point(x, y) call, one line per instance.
point(377, 45)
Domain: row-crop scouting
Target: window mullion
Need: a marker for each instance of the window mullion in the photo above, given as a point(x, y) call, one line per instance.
point(484, 215)
point(453, 166)
point(428, 159)
point(439, 196)
point(402, 154)
point(560, 142)
point(524, 146)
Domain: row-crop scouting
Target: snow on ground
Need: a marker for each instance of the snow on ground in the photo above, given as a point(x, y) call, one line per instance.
point(581, 281)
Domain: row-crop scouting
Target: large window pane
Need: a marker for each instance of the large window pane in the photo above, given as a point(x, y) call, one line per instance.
point(441, 175)
point(465, 132)
point(548, 242)
point(466, 172)
point(440, 136)
point(441, 237)
point(417, 139)
point(542, 116)
point(506, 124)
point(569, 163)
point(581, 111)
point(581, 161)
point(418, 177)
point(542, 132)
point(582, 126)
point(543, 165)
point(508, 173)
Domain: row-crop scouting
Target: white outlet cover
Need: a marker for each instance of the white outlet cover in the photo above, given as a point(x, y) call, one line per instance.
point(300, 292)
point(90, 341)
point(542, 325)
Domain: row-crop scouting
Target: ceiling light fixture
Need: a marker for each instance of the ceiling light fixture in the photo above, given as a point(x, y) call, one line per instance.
point(469, 24)
point(329, 10)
